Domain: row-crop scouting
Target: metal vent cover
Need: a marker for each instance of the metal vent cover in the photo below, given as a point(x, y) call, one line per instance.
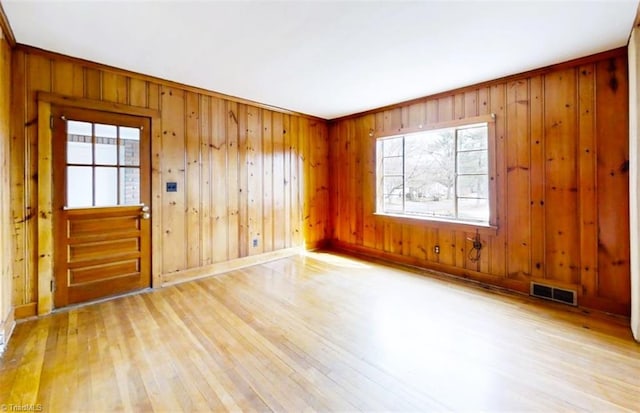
point(549, 292)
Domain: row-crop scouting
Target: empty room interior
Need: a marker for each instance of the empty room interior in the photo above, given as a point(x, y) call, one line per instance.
point(319, 206)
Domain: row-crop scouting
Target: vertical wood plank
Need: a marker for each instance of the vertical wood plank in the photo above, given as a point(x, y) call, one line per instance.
point(153, 96)
point(334, 182)
point(192, 184)
point(174, 241)
point(293, 219)
point(587, 172)
point(360, 140)
point(223, 186)
point(471, 103)
point(498, 107)
point(254, 184)
point(613, 181)
point(156, 200)
point(392, 120)
point(6, 280)
point(114, 87)
point(38, 79)
point(316, 141)
point(417, 115)
point(278, 182)
point(92, 84)
point(561, 202)
point(432, 238)
point(233, 180)
point(205, 180)
point(458, 106)
point(297, 188)
point(484, 104)
point(45, 238)
point(19, 178)
point(461, 249)
point(323, 182)
point(432, 111)
point(243, 182)
point(537, 178)
point(267, 181)
point(417, 235)
point(67, 79)
point(369, 180)
point(518, 159)
point(157, 183)
point(445, 109)
point(447, 243)
point(138, 92)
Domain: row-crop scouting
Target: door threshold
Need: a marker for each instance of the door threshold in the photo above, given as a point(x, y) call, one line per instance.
point(100, 300)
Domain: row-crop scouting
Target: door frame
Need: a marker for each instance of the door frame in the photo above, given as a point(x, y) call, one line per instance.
point(45, 215)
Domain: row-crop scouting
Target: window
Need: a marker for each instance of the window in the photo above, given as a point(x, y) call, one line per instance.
point(103, 164)
point(440, 174)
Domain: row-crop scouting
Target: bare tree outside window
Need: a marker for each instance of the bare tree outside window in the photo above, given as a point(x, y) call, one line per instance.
point(441, 173)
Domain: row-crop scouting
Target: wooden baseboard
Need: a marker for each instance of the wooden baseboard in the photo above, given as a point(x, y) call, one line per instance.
point(6, 329)
point(26, 311)
point(317, 245)
point(222, 267)
point(585, 303)
point(444, 270)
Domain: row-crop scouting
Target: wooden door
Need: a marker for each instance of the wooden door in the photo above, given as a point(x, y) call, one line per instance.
point(101, 182)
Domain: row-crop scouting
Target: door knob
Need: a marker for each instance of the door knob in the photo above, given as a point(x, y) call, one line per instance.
point(145, 215)
point(145, 208)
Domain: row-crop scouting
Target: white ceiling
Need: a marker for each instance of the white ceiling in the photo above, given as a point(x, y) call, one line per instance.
point(324, 58)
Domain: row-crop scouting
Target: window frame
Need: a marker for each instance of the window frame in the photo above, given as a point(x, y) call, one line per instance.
point(489, 120)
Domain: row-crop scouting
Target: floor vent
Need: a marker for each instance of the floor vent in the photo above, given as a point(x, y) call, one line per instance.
point(560, 295)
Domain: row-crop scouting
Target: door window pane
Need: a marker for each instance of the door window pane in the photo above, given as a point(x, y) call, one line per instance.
point(106, 186)
point(106, 140)
point(129, 146)
point(79, 143)
point(111, 154)
point(129, 186)
point(79, 186)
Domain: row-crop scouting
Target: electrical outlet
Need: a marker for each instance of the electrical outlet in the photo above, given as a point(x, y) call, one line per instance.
point(255, 243)
point(436, 249)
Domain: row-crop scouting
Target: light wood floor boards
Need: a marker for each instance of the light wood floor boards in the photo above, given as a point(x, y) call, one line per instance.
point(322, 332)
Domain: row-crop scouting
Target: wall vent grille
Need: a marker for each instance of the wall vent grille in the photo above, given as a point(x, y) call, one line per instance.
point(552, 293)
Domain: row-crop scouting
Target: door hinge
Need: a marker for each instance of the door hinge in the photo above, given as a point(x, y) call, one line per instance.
point(51, 122)
point(53, 285)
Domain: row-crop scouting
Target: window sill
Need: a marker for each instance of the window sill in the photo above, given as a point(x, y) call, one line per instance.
point(440, 223)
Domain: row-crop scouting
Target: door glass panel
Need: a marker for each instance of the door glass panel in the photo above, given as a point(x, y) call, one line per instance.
point(79, 143)
point(111, 154)
point(129, 186)
point(106, 140)
point(106, 186)
point(79, 186)
point(129, 146)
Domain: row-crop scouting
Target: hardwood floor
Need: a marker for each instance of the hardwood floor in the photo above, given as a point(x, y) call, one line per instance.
point(322, 332)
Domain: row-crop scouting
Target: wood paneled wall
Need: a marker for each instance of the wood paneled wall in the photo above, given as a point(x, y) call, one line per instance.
point(562, 183)
point(244, 172)
point(6, 309)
